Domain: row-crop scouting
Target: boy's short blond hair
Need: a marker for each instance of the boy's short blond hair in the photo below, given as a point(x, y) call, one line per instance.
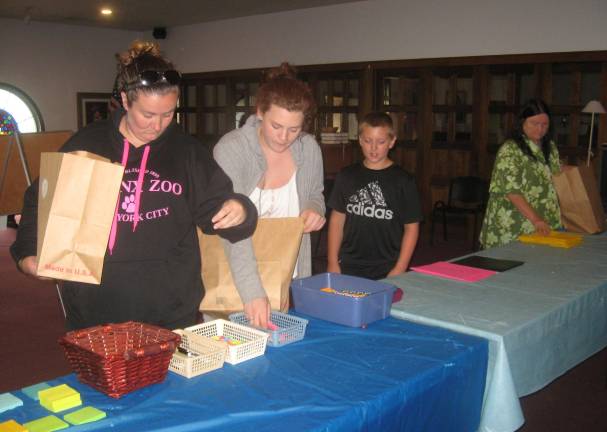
point(377, 119)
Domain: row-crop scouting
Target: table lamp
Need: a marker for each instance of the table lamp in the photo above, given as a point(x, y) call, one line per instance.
point(593, 107)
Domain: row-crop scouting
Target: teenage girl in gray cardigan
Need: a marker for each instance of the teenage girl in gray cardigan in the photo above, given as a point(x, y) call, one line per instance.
point(271, 153)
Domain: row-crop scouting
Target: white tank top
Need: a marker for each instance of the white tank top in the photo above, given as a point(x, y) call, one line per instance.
point(279, 202)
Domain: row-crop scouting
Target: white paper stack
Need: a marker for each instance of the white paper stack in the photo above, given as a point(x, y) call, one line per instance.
point(333, 138)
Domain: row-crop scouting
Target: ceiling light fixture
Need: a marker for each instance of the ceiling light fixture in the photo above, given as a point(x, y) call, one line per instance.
point(106, 11)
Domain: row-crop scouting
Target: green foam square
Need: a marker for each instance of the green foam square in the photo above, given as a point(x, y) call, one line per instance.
point(84, 415)
point(46, 424)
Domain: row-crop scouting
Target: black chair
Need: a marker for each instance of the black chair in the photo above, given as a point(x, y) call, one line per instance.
point(467, 196)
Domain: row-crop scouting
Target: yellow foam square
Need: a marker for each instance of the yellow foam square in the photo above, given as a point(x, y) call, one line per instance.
point(12, 426)
point(554, 239)
point(59, 398)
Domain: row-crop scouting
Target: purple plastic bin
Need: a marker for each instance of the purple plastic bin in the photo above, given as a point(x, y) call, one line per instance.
point(351, 311)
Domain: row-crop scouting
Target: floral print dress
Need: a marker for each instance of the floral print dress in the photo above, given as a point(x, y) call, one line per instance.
point(515, 172)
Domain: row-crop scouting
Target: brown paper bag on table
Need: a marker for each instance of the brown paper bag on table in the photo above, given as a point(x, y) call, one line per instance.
point(276, 244)
point(77, 196)
point(579, 199)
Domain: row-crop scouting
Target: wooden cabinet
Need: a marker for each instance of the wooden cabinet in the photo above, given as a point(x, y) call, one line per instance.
point(187, 111)
point(337, 97)
point(509, 87)
point(450, 115)
point(567, 88)
point(210, 105)
point(399, 94)
point(338, 156)
point(452, 101)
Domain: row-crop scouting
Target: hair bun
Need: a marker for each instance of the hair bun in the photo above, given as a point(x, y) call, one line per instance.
point(285, 70)
point(137, 49)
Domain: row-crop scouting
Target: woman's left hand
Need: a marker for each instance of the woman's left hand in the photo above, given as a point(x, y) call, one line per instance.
point(232, 213)
point(541, 227)
point(258, 312)
point(312, 221)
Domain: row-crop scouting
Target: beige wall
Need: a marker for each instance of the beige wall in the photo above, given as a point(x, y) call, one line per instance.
point(391, 29)
point(51, 63)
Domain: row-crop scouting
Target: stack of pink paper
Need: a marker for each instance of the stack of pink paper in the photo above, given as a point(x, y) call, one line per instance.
point(454, 271)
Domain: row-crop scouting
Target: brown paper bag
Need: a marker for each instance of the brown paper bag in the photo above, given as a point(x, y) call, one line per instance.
point(276, 244)
point(76, 203)
point(579, 199)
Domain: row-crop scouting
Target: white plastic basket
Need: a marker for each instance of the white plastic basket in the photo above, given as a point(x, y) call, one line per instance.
point(252, 341)
point(196, 355)
point(290, 328)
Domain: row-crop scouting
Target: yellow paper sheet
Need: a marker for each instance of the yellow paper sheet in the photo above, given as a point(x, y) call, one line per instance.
point(554, 239)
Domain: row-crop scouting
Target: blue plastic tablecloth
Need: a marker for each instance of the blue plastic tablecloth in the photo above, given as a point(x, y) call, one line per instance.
point(393, 375)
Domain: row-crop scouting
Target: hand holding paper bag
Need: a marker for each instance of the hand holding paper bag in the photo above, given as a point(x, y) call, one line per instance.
point(77, 197)
point(276, 243)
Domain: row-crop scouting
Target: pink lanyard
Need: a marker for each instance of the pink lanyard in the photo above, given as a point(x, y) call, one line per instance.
point(138, 189)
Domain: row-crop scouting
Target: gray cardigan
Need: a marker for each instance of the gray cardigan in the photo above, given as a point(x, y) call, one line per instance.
point(240, 155)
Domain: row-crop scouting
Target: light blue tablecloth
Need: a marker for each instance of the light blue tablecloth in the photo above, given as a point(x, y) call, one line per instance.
point(392, 376)
point(541, 318)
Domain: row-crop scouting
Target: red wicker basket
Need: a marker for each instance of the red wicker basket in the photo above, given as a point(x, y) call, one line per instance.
point(119, 358)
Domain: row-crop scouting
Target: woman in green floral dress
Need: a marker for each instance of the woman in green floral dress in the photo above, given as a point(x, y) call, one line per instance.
point(522, 198)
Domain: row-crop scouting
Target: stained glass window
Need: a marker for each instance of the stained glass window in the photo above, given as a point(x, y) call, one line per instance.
point(17, 106)
point(7, 123)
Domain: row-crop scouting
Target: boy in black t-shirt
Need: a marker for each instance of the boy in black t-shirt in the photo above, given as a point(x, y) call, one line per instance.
point(374, 224)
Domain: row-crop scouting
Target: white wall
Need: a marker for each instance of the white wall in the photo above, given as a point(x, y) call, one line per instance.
point(391, 29)
point(51, 63)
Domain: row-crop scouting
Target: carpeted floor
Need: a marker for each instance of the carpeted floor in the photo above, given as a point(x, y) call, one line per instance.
point(31, 322)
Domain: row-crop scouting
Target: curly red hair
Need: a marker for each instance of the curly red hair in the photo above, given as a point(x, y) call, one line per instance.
point(281, 87)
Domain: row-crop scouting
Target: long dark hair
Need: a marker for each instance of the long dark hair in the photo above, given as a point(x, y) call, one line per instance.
point(532, 108)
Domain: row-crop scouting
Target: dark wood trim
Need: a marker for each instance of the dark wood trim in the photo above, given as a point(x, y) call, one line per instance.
point(199, 103)
point(480, 129)
point(494, 60)
point(424, 144)
point(508, 59)
point(574, 119)
point(220, 76)
point(367, 97)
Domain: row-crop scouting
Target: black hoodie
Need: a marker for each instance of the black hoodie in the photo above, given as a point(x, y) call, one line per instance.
point(153, 272)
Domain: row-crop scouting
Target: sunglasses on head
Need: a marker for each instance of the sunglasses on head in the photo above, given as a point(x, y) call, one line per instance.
point(150, 77)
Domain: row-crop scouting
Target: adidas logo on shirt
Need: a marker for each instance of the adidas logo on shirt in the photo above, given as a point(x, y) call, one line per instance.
point(369, 202)
point(372, 212)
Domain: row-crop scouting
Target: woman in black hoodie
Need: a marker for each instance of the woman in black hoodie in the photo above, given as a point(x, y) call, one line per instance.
point(171, 184)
